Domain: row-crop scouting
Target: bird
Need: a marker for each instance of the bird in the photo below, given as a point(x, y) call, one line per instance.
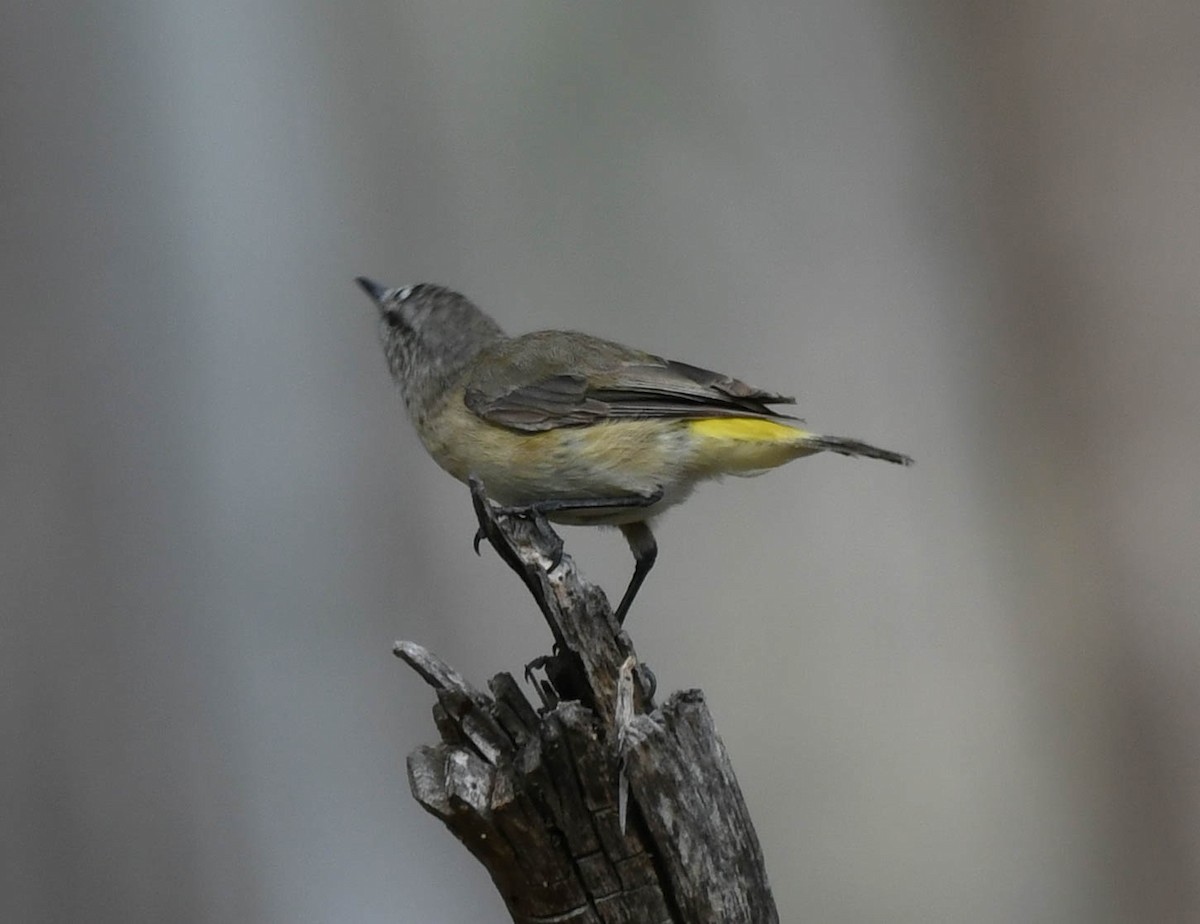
point(574, 428)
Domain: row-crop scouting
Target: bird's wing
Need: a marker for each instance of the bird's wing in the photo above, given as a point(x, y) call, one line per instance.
point(550, 379)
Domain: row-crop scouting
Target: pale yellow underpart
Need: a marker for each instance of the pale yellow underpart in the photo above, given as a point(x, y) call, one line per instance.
point(609, 459)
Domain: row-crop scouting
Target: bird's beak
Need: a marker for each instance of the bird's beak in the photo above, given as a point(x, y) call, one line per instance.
point(372, 288)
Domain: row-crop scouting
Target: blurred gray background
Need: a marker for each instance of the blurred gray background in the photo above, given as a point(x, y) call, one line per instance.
point(965, 692)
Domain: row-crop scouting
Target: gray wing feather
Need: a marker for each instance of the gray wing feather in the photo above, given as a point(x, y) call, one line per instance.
point(548, 390)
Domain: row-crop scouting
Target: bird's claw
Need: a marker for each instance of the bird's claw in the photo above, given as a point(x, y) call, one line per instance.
point(545, 689)
point(556, 546)
point(537, 664)
point(651, 680)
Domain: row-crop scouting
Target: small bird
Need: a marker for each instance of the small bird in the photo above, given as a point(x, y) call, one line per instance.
point(580, 430)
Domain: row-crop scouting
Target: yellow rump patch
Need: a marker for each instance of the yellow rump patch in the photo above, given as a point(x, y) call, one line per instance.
point(746, 428)
point(744, 445)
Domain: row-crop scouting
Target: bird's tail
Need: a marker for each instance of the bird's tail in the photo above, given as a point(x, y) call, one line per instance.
point(857, 448)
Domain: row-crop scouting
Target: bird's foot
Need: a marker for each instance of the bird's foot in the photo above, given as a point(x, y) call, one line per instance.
point(650, 682)
point(549, 665)
point(531, 526)
point(507, 532)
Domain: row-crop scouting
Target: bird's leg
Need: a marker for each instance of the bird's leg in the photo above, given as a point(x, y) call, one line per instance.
point(638, 535)
point(539, 510)
point(541, 536)
point(645, 551)
point(538, 528)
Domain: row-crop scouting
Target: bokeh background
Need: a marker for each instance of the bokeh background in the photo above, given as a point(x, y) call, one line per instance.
point(969, 691)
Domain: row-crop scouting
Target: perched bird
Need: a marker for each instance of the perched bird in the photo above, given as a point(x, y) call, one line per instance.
point(581, 430)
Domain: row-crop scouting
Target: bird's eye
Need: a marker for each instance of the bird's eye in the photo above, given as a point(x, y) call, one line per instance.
point(402, 294)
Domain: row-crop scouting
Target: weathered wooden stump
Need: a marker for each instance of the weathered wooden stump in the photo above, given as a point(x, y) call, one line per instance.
point(538, 796)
